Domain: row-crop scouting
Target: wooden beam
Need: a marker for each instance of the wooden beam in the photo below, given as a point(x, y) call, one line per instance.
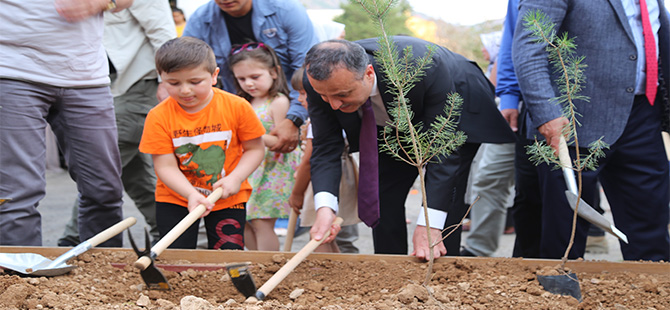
point(204, 257)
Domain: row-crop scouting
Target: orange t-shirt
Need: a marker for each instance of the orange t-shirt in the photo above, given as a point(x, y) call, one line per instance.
point(207, 144)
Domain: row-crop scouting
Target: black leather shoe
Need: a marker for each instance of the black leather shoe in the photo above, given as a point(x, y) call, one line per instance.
point(466, 252)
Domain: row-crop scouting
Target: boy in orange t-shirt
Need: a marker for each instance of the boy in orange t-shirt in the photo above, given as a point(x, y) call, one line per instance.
point(201, 138)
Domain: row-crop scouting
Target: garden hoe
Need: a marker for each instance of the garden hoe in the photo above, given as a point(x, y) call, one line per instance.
point(568, 284)
point(38, 265)
point(153, 277)
point(585, 211)
point(245, 284)
point(290, 231)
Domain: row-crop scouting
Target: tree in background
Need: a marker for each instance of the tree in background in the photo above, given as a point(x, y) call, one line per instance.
point(358, 25)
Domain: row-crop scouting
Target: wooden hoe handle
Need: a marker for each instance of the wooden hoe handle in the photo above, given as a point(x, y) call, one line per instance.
point(290, 265)
point(144, 261)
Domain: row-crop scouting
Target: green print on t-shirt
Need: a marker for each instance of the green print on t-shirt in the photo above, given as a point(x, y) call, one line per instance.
point(209, 162)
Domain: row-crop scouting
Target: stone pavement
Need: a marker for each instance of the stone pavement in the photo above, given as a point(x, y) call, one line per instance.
point(61, 193)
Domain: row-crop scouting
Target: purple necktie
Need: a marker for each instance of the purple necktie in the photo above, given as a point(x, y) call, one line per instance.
point(368, 179)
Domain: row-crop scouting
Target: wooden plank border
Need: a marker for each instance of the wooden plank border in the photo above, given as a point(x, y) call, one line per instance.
point(198, 257)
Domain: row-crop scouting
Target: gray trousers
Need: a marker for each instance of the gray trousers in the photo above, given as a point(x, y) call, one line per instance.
point(83, 122)
point(138, 177)
point(493, 183)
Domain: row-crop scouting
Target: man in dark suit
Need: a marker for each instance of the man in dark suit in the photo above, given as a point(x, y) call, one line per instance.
point(340, 77)
point(625, 109)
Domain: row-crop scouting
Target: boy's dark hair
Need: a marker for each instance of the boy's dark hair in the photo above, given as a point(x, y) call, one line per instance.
point(296, 79)
point(185, 53)
point(265, 55)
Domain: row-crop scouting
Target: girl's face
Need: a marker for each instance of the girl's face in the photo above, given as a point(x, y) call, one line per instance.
point(254, 78)
point(191, 87)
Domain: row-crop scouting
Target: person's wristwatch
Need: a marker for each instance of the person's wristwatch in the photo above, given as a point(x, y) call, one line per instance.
point(111, 5)
point(297, 121)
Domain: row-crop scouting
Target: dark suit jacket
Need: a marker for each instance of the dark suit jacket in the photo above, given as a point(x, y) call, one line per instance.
point(603, 36)
point(480, 119)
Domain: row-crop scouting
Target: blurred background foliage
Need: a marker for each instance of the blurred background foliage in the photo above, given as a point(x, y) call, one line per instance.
point(403, 21)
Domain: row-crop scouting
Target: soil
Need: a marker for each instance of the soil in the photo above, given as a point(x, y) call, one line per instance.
point(329, 284)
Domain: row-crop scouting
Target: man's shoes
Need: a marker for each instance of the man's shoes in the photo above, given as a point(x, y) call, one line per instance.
point(66, 243)
point(467, 253)
point(596, 245)
point(466, 225)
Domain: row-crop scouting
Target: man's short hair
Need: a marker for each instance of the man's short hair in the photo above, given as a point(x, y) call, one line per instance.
point(326, 56)
point(184, 53)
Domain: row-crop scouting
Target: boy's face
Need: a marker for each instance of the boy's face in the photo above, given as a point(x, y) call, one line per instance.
point(302, 98)
point(191, 87)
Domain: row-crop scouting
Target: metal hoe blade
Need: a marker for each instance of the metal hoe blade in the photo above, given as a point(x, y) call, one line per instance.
point(154, 278)
point(242, 279)
point(586, 212)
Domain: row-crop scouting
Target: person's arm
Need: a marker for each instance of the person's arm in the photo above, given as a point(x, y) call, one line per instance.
point(301, 38)
point(155, 18)
point(195, 25)
point(167, 170)
point(534, 71)
point(253, 154)
point(507, 87)
point(278, 109)
point(327, 147)
point(302, 179)
point(77, 10)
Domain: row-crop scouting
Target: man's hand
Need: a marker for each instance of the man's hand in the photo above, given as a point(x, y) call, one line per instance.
point(288, 136)
point(552, 131)
point(421, 246)
point(196, 199)
point(76, 10)
point(324, 221)
point(511, 116)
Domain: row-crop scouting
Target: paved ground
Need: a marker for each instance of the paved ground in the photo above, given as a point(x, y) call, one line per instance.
point(61, 192)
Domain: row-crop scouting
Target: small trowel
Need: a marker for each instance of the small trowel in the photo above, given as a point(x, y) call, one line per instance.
point(585, 211)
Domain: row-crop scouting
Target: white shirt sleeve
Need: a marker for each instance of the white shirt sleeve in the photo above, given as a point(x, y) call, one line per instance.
point(325, 199)
point(437, 218)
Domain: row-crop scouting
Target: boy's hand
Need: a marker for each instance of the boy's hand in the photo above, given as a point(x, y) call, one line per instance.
point(296, 201)
point(196, 199)
point(230, 185)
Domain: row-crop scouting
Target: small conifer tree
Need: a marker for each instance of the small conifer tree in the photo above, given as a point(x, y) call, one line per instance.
point(562, 56)
point(413, 142)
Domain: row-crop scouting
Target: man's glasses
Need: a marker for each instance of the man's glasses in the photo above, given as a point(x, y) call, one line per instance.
point(246, 47)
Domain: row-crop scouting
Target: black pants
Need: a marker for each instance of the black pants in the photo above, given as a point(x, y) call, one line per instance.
point(225, 228)
point(634, 177)
point(396, 179)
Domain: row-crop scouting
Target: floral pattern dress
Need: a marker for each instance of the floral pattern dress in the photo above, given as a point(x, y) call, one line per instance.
point(273, 180)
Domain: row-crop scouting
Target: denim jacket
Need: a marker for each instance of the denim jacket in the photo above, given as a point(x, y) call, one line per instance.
point(281, 24)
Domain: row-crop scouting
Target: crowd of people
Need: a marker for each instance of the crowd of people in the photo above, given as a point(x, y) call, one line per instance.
point(255, 98)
